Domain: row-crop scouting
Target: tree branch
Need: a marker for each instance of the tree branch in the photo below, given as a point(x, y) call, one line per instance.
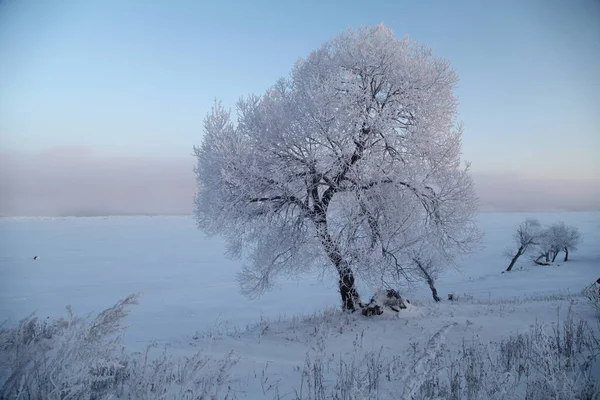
point(341, 175)
point(282, 200)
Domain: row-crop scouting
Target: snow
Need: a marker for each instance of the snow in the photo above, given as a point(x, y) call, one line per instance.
point(191, 299)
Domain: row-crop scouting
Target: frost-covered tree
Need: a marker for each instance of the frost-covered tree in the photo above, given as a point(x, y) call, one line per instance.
point(560, 237)
point(571, 241)
point(526, 238)
point(545, 248)
point(349, 163)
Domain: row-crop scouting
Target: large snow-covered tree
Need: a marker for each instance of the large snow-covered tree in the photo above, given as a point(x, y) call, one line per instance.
point(351, 162)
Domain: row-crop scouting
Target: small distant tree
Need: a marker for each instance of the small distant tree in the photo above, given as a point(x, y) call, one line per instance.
point(545, 249)
point(349, 163)
point(526, 238)
point(560, 237)
point(572, 241)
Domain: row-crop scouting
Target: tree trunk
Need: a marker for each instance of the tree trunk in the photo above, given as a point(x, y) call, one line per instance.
point(348, 292)
point(350, 298)
point(554, 254)
point(433, 291)
point(515, 258)
point(429, 280)
point(539, 262)
point(566, 255)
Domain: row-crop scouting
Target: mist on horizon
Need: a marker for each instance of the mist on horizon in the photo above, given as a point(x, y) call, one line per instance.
point(80, 182)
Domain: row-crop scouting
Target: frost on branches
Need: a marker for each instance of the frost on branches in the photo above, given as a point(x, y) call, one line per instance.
point(353, 162)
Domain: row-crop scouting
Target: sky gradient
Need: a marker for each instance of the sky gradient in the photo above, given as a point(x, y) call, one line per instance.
point(102, 101)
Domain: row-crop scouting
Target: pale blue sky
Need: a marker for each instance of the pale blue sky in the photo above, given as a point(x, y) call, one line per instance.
point(136, 78)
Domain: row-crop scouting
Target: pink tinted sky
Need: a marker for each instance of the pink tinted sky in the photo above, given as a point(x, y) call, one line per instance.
point(101, 101)
point(79, 181)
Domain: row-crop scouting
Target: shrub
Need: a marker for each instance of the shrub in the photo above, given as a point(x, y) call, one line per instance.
point(555, 362)
point(543, 363)
point(79, 358)
point(65, 357)
point(592, 294)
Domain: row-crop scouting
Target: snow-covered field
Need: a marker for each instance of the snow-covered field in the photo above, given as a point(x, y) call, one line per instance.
point(190, 298)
